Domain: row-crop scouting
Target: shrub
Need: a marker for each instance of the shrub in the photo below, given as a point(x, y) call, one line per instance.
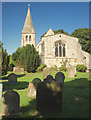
point(81, 68)
point(54, 68)
point(40, 68)
point(62, 68)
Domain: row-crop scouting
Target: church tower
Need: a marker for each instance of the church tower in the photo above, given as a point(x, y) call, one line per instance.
point(28, 32)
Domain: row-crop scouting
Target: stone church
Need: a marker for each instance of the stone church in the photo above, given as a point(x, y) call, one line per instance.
point(55, 48)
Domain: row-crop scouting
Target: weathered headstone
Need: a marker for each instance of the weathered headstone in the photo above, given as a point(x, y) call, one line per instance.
point(12, 78)
point(60, 78)
point(46, 72)
point(0, 90)
point(49, 97)
point(35, 82)
point(32, 87)
point(31, 90)
point(49, 78)
point(18, 69)
point(71, 71)
point(11, 103)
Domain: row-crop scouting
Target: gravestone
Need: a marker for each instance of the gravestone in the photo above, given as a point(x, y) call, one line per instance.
point(32, 87)
point(12, 78)
point(60, 78)
point(36, 81)
point(49, 78)
point(71, 71)
point(0, 90)
point(11, 103)
point(46, 72)
point(49, 97)
point(18, 69)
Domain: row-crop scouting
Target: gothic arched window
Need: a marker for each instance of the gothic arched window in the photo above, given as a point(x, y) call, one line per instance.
point(30, 38)
point(26, 37)
point(59, 49)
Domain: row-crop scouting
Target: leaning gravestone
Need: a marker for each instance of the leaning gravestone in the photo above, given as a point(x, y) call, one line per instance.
point(46, 72)
point(11, 103)
point(71, 71)
point(0, 90)
point(60, 78)
point(12, 78)
point(32, 87)
point(49, 97)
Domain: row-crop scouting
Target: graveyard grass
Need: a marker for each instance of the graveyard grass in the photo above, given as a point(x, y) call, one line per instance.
point(75, 100)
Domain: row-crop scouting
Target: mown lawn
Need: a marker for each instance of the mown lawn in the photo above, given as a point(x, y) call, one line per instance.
point(75, 95)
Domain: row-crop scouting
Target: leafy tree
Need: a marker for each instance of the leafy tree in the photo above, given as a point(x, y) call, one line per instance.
point(84, 35)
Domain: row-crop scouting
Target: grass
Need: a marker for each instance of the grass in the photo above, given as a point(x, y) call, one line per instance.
point(75, 96)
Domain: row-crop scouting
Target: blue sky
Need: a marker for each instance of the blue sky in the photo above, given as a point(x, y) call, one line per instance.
point(57, 15)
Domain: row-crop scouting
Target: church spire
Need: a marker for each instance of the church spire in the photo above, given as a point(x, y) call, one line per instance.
point(28, 25)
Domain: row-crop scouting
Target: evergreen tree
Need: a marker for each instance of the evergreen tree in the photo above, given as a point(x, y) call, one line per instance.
point(28, 57)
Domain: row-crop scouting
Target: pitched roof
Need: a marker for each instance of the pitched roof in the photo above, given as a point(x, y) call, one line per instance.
point(50, 32)
point(28, 25)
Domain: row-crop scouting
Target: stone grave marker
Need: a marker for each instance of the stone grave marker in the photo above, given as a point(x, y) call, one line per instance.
point(12, 78)
point(0, 90)
point(49, 97)
point(49, 78)
point(71, 71)
point(60, 78)
point(18, 69)
point(46, 72)
point(11, 103)
point(32, 87)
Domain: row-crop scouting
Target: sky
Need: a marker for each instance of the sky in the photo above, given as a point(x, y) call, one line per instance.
point(57, 15)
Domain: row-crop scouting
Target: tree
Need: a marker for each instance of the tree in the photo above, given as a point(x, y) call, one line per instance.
point(11, 61)
point(28, 57)
point(4, 61)
point(84, 35)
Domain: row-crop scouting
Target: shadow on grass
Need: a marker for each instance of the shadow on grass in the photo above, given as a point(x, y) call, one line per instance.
point(70, 107)
point(18, 76)
point(77, 82)
point(19, 85)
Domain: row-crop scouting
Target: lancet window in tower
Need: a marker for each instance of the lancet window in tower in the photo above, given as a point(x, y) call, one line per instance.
point(26, 37)
point(30, 38)
point(59, 49)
